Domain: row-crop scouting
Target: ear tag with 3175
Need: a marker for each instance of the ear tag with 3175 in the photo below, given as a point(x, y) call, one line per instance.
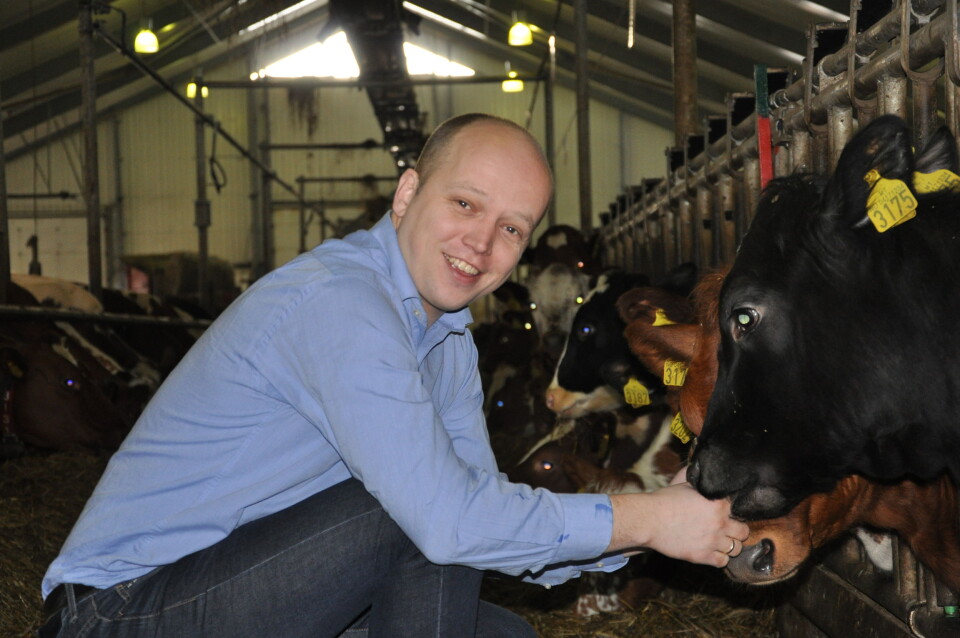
point(890, 202)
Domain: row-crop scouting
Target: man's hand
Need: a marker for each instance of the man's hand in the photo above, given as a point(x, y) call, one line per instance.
point(678, 522)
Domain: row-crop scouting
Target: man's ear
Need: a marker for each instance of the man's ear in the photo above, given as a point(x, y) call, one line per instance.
point(406, 189)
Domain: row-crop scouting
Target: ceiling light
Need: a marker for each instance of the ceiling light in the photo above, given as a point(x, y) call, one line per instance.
point(146, 40)
point(512, 84)
point(192, 90)
point(520, 34)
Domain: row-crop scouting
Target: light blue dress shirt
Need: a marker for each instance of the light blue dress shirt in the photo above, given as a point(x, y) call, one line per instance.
point(325, 369)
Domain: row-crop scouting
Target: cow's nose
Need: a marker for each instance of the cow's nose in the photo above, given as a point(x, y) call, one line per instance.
point(693, 473)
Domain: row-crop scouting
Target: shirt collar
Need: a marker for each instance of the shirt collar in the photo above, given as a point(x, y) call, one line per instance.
point(386, 235)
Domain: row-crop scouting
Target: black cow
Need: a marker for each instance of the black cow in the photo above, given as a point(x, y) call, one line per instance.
point(839, 350)
point(597, 363)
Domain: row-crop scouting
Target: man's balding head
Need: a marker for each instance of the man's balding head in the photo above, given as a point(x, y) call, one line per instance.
point(439, 141)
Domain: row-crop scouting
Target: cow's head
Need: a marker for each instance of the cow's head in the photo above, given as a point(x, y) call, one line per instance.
point(596, 363)
point(821, 349)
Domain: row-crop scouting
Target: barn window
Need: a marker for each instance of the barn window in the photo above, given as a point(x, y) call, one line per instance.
point(334, 58)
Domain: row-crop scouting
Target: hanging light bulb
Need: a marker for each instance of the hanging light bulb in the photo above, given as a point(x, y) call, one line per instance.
point(520, 34)
point(192, 91)
point(146, 40)
point(512, 84)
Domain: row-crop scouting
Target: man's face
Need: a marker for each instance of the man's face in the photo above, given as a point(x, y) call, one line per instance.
point(463, 232)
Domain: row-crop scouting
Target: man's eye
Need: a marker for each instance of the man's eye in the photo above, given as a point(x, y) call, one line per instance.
point(511, 230)
point(462, 204)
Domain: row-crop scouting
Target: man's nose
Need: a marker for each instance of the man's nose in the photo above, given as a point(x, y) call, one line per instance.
point(480, 237)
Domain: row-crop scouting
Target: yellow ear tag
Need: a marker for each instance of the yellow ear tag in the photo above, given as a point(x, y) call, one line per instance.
point(674, 372)
point(635, 393)
point(890, 202)
point(662, 320)
point(679, 429)
point(936, 181)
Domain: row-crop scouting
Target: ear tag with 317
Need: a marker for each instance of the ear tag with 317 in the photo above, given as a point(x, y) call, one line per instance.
point(674, 372)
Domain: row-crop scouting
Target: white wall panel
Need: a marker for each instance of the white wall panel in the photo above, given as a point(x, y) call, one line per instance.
point(158, 164)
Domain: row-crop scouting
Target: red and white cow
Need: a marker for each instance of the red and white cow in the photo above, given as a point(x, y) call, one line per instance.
point(56, 395)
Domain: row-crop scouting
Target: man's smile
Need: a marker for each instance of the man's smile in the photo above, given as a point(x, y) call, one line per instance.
point(462, 266)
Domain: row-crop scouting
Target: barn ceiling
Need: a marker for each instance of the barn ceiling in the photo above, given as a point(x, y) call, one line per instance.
point(40, 75)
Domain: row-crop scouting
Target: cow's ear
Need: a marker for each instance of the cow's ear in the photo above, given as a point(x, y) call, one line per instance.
point(939, 153)
point(882, 146)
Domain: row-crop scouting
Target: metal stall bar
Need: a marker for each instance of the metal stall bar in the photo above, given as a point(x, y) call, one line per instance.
point(201, 205)
point(813, 117)
point(268, 173)
point(314, 83)
point(35, 312)
point(583, 114)
point(91, 179)
point(4, 222)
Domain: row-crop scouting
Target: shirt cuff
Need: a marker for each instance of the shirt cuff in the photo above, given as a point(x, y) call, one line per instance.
point(587, 526)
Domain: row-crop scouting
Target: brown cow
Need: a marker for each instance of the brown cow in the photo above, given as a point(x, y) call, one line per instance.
point(56, 395)
point(925, 515)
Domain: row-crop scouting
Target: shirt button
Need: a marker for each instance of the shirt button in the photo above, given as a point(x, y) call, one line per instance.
point(416, 312)
point(547, 586)
point(600, 564)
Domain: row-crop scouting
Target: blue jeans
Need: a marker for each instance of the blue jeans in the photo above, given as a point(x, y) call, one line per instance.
point(335, 564)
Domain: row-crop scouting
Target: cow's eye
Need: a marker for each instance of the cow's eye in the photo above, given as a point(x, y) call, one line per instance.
point(584, 331)
point(745, 320)
point(71, 384)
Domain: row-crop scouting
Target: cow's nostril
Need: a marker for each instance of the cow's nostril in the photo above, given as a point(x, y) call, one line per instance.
point(763, 563)
point(693, 472)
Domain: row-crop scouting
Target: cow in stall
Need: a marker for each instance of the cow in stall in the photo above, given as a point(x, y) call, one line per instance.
point(838, 347)
point(563, 244)
point(163, 345)
point(924, 514)
point(609, 436)
point(561, 269)
point(56, 395)
point(597, 371)
point(556, 293)
point(513, 376)
point(609, 452)
point(100, 340)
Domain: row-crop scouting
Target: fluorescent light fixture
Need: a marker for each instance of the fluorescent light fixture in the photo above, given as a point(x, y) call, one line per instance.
point(334, 58)
point(276, 16)
point(439, 19)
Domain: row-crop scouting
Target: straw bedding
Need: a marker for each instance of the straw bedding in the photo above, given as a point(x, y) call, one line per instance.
point(41, 496)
